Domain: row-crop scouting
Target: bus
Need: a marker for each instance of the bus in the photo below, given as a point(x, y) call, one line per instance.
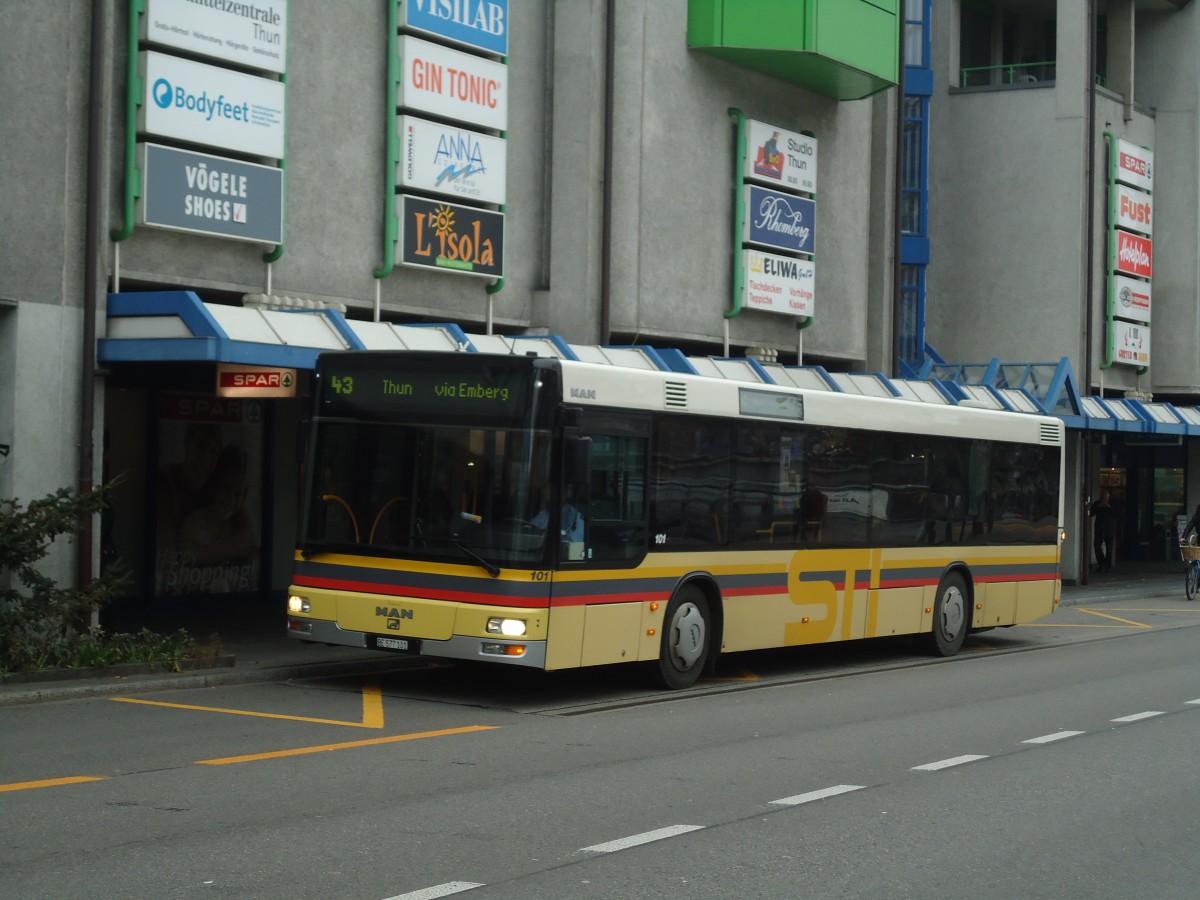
point(554, 513)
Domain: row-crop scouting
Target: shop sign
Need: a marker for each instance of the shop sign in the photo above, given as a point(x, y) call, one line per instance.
point(204, 194)
point(1131, 343)
point(248, 34)
point(1132, 298)
point(482, 24)
point(1135, 165)
point(784, 159)
point(450, 238)
point(453, 85)
point(779, 284)
point(204, 104)
point(255, 381)
point(1134, 254)
point(1134, 209)
point(446, 159)
point(779, 220)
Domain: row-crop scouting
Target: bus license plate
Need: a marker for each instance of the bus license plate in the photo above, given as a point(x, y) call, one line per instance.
point(404, 645)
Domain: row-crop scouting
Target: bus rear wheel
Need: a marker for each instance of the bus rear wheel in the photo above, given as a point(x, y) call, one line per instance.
point(685, 633)
point(951, 616)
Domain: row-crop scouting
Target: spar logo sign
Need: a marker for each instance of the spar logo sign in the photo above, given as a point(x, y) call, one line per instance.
point(1135, 165)
point(1134, 255)
point(217, 107)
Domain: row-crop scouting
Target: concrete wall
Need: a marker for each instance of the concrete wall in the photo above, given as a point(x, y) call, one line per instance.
point(1168, 79)
point(672, 175)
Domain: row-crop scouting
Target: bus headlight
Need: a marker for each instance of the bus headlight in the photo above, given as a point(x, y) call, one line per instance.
point(297, 604)
point(507, 627)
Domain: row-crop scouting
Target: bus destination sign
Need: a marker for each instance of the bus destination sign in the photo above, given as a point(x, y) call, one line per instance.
point(354, 388)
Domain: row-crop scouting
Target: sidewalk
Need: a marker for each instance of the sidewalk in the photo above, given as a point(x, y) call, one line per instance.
point(256, 649)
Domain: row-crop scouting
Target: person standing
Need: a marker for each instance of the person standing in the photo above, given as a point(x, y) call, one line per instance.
point(1104, 530)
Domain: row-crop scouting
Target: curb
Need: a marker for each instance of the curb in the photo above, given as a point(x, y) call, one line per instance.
point(200, 678)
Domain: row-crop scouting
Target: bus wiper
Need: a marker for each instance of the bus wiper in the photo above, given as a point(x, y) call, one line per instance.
point(491, 568)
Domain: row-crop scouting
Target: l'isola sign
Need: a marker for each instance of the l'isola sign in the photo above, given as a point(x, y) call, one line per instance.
point(451, 237)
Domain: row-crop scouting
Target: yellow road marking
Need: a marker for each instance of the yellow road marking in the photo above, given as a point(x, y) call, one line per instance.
point(372, 710)
point(49, 782)
point(1093, 612)
point(301, 751)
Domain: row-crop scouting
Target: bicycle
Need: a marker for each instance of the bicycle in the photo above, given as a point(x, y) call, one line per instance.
point(1191, 576)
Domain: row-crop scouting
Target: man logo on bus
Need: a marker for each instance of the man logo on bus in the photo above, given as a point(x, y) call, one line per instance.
point(390, 612)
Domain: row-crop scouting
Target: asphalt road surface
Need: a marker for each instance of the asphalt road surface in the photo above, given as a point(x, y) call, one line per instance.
point(1037, 764)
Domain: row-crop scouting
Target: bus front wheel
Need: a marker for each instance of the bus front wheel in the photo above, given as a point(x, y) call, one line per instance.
point(685, 634)
point(951, 616)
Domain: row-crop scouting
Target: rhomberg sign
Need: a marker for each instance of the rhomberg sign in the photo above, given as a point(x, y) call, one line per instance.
point(779, 220)
point(450, 238)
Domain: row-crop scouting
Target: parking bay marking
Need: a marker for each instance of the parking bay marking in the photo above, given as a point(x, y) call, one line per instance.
point(372, 697)
point(49, 782)
point(348, 745)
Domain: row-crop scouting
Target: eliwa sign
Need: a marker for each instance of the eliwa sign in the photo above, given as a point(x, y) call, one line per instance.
point(249, 34)
point(217, 107)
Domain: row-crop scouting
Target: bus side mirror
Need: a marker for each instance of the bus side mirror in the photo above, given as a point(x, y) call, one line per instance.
point(577, 460)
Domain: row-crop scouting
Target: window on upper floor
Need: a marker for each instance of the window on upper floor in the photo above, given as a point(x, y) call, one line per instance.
point(1006, 43)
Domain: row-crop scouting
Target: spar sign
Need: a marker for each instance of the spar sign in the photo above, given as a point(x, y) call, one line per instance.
point(1134, 165)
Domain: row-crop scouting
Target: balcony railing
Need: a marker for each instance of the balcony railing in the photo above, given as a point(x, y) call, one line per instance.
point(1011, 73)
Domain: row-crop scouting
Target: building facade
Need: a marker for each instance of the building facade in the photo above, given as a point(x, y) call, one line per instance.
point(205, 162)
point(182, 170)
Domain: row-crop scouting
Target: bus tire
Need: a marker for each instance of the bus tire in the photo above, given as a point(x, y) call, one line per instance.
point(951, 615)
point(686, 629)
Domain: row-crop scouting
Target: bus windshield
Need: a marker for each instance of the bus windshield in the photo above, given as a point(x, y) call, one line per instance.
point(394, 474)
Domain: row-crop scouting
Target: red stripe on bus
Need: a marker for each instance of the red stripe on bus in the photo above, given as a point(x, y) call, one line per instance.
point(399, 590)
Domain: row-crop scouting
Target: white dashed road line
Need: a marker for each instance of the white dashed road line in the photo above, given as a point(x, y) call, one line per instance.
point(438, 890)
point(645, 837)
point(817, 795)
point(947, 763)
point(1050, 738)
point(1139, 716)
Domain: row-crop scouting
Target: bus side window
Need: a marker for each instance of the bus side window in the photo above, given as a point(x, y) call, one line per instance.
point(616, 511)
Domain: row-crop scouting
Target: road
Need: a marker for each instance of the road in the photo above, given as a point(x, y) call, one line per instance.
point(1036, 764)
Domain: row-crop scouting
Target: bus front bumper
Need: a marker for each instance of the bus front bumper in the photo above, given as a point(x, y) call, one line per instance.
point(531, 654)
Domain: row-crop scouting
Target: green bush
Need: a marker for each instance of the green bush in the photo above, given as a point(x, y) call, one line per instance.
point(43, 625)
